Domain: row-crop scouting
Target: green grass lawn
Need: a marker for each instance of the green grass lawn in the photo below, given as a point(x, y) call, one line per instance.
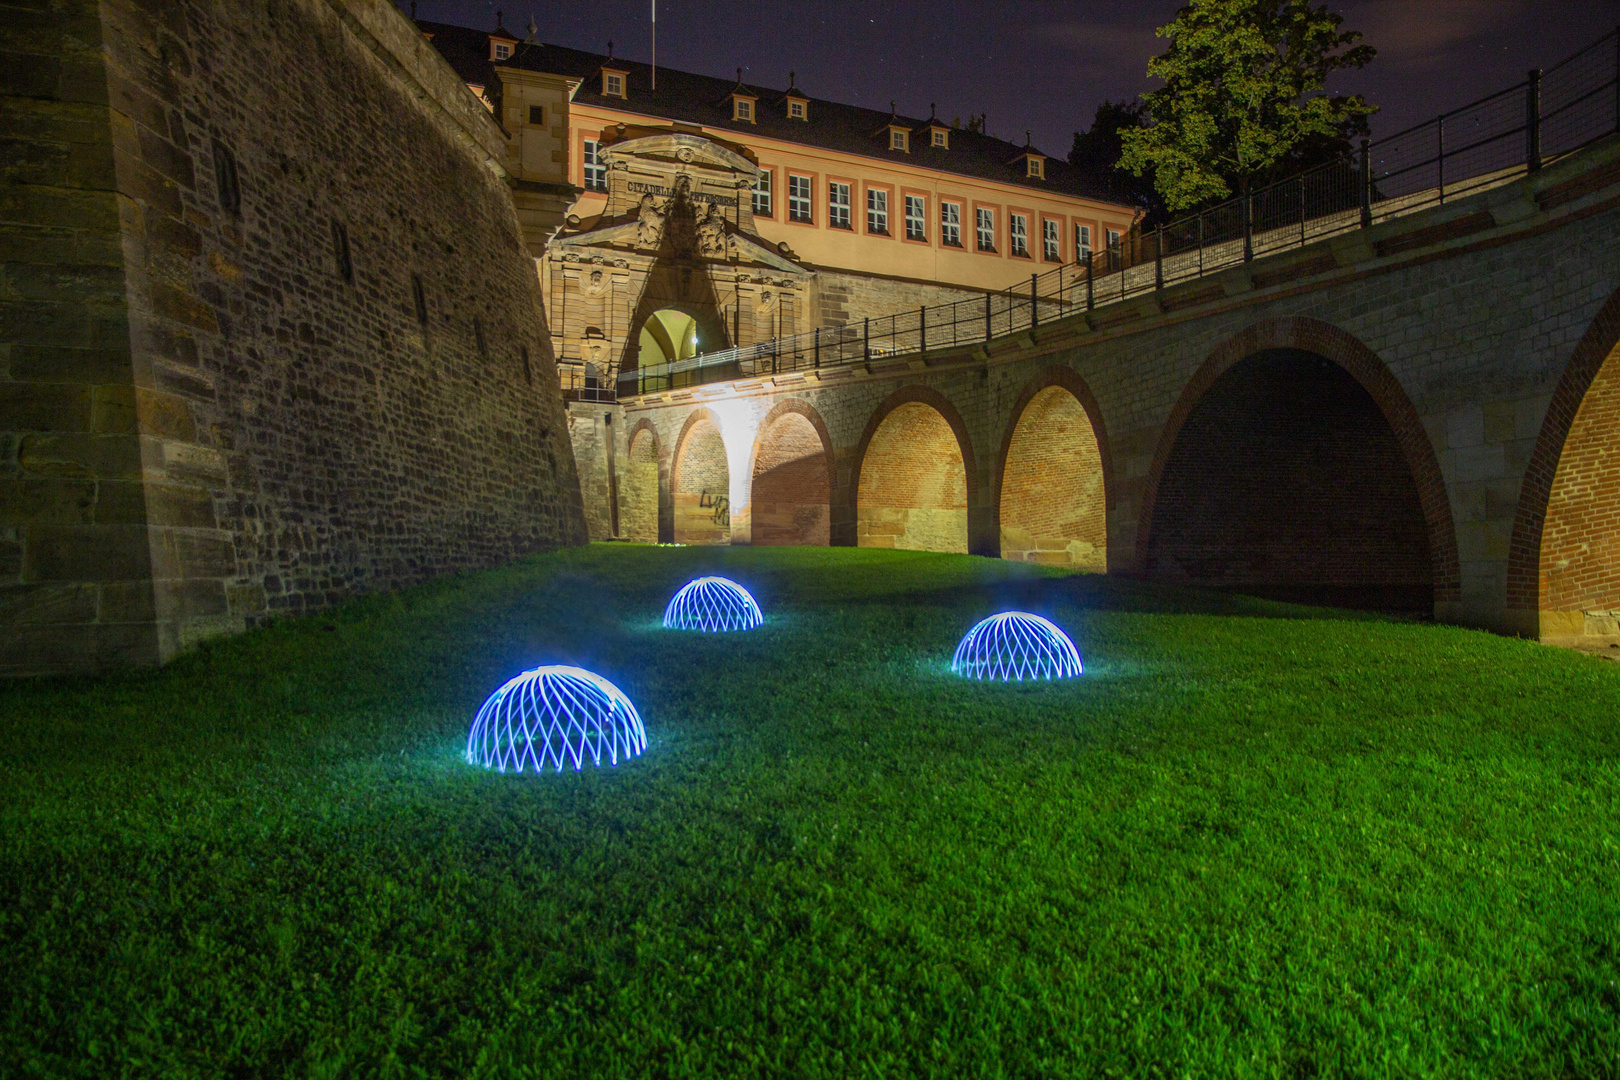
point(1252, 840)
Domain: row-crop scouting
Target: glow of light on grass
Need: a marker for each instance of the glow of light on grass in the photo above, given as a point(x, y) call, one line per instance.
point(551, 717)
point(1014, 646)
point(713, 605)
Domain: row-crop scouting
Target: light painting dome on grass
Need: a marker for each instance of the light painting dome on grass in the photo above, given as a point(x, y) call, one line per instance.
point(713, 605)
point(1016, 645)
point(555, 716)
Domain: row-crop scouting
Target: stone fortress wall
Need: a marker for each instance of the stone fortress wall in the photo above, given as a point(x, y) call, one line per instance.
point(269, 336)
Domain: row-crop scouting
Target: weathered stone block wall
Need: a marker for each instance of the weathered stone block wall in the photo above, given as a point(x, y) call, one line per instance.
point(848, 298)
point(639, 491)
point(913, 489)
point(702, 485)
point(596, 433)
point(791, 491)
point(270, 337)
point(1580, 542)
point(1053, 503)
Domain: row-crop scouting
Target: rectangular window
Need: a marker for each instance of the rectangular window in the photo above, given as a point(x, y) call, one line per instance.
point(745, 111)
point(795, 110)
point(419, 299)
point(950, 224)
point(762, 194)
point(1053, 240)
point(916, 218)
point(1037, 168)
point(897, 139)
point(838, 205)
point(941, 138)
point(1082, 243)
point(798, 198)
point(877, 211)
point(226, 184)
point(1113, 239)
point(1018, 229)
point(537, 114)
point(595, 171)
point(986, 222)
point(340, 251)
point(502, 50)
point(613, 85)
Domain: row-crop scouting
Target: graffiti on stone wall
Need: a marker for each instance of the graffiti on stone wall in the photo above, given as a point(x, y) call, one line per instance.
point(721, 505)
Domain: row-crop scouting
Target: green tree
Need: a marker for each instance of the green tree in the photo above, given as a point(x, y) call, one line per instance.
point(1097, 151)
point(1242, 96)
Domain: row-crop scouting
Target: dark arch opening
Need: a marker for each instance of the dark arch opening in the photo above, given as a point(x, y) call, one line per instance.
point(1287, 481)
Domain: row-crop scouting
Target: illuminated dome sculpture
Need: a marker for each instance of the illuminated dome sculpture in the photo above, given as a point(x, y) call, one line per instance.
point(713, 605)
point(1016, 645)
point(551, 717)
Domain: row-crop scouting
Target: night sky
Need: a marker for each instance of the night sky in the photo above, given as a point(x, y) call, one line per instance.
point(1042, 65)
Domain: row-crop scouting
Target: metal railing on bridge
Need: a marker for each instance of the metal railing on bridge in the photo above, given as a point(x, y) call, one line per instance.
point(1493, 141)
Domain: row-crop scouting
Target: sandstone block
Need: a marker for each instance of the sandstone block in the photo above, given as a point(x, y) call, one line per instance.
point(111, 457)
point(96, 553)
point(26, 501)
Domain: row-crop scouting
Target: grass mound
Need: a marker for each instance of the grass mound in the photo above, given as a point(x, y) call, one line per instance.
point(1254, 839)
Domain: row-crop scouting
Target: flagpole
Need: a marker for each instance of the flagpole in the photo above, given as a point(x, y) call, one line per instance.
point(655, 45)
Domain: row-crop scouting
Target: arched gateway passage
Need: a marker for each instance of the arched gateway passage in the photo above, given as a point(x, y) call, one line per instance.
point(701, 483)
point(667, 335)
point(1287, 480)
point(1053, 497)
point(913, 484)
point(792, 488)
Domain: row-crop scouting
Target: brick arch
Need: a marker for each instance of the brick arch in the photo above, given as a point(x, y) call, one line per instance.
point(1592, 367)
point(699, 476)
point(1364, 366)
point(790, 491)
point(902, 527)
point(646, 481)
point(1056, 509)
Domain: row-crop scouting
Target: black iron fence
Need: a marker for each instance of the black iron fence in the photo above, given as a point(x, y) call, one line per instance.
point(581, 382)
point(1495, 140)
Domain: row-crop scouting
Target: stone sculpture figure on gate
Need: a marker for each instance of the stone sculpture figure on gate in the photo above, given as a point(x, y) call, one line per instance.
point(650, 223)
point(712, 234)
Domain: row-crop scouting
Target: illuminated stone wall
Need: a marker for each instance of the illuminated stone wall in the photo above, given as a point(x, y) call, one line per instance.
point(1052, 498)
point(913, 487)
point(255, 356)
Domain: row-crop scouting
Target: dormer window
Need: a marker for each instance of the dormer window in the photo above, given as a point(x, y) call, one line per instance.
point(500, 50)
point(1035, 167)
point(939, 138)
point(742, 108)
point(613, 83)
point(797, 109)
point(899, 139)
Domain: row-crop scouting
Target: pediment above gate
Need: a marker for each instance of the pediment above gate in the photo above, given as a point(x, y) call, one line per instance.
point(678, 148)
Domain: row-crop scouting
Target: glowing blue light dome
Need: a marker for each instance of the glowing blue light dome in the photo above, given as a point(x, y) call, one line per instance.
point(551, 717)
point(1016, 645)
point(713, 605)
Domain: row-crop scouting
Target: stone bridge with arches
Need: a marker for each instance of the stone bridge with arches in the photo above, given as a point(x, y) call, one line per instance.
point(1422, 415)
